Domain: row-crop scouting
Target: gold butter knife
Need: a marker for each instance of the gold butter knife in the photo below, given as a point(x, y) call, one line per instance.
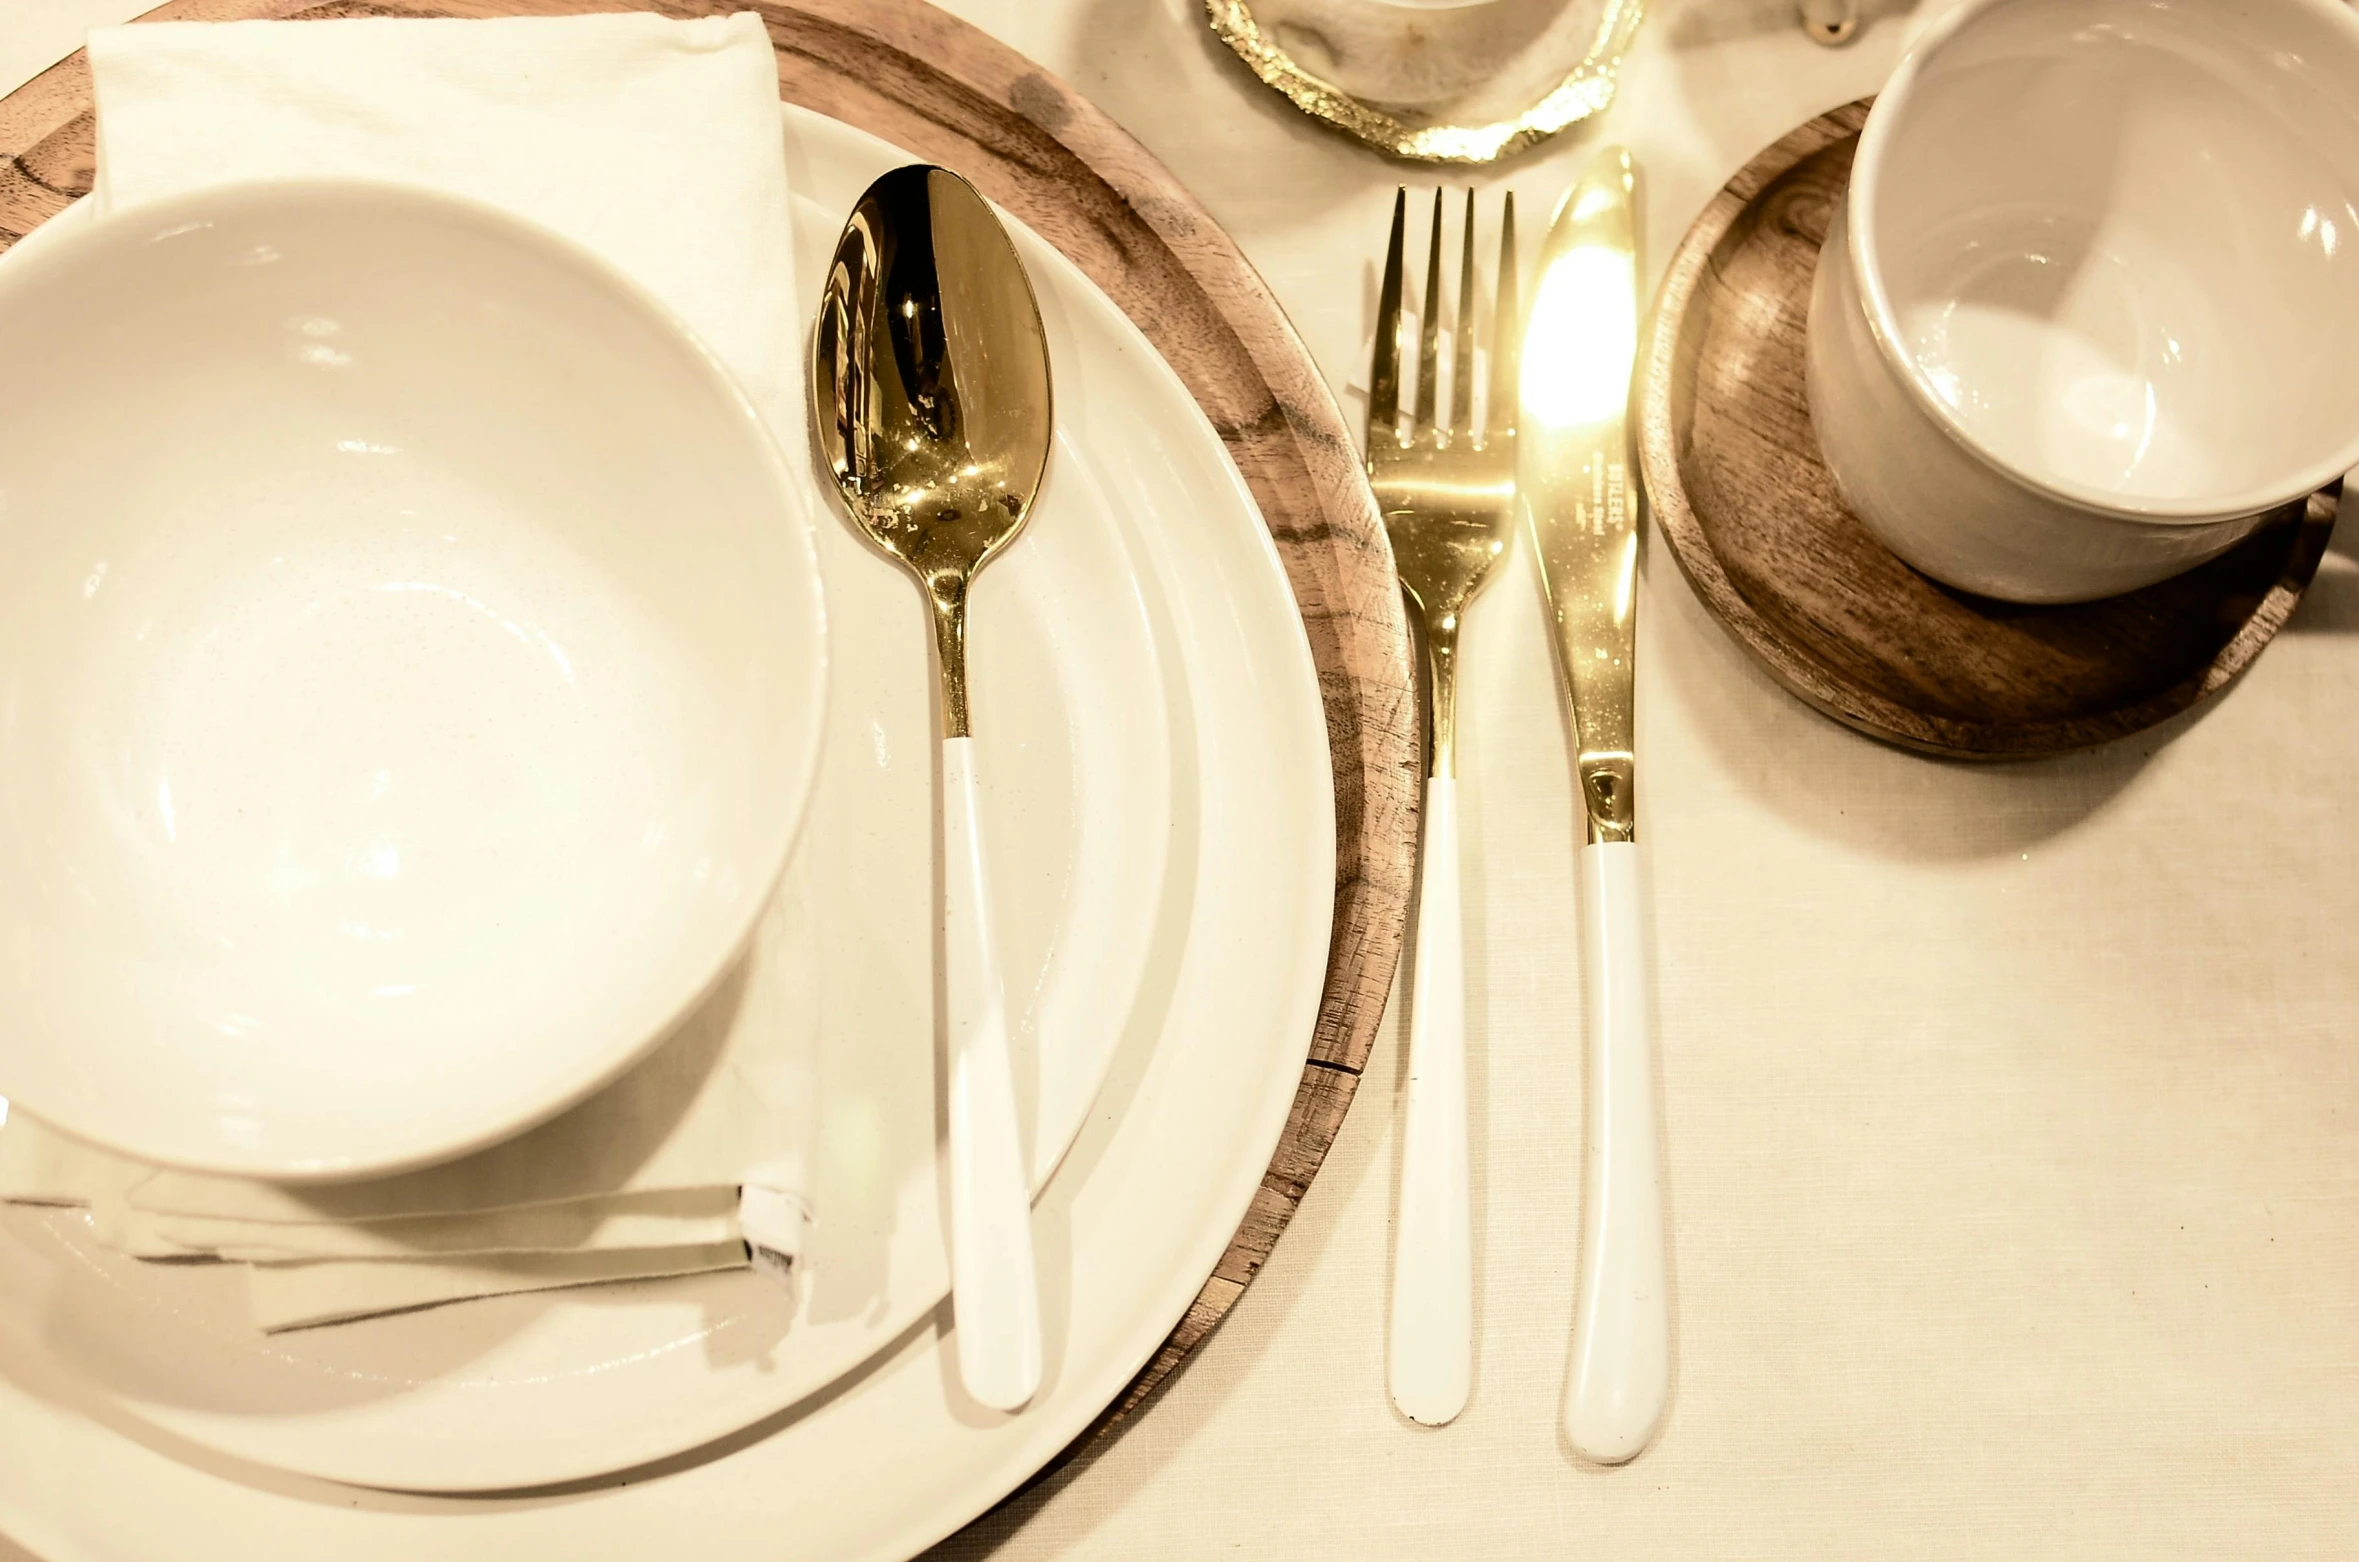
point(1580, 340)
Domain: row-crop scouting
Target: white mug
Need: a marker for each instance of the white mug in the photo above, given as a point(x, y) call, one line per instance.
point(2090, 308)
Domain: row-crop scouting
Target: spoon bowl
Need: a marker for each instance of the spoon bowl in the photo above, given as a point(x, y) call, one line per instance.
point(931, 390)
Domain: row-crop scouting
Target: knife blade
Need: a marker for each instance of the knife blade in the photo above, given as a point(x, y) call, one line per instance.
point(1580, 341)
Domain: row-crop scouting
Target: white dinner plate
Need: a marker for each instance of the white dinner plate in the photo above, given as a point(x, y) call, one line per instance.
point(893, 1458)
point(1073, 725)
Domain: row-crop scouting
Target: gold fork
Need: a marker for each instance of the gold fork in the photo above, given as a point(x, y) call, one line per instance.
point(1448, 496)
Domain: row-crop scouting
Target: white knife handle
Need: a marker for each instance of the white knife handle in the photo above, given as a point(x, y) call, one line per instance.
point(1622, 1328)
point(995, 1296)
point(1432, 1354)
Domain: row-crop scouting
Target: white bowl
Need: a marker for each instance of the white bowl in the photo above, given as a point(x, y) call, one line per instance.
point(2091, 308)
point(411, 657)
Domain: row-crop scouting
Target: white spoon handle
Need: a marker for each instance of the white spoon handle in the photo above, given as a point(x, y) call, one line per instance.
point(995, 1295)
point(1621, 1329)
point(1432, 1352)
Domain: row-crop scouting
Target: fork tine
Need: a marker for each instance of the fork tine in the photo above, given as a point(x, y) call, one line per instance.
point(1462, 341)
point(1507, 334)
point(1429, 326)
point(1384, 373)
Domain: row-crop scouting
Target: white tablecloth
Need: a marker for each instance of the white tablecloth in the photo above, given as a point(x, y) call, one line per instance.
point(2011, 1114)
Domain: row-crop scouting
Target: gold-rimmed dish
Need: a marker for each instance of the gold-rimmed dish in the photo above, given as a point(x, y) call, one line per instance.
point(1468, 120)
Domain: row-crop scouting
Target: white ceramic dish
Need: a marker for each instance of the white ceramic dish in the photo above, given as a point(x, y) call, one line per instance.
point(2091, 307)
point(413, 663)
point(1144, 1205)
point(1085, 699)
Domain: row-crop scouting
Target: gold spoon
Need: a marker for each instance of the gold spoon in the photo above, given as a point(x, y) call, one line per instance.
point(930, 394)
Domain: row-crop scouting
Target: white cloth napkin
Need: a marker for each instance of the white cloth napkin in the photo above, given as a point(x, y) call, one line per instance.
point(657, 144)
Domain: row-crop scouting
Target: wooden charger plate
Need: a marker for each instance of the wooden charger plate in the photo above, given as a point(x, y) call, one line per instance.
point(1753, 516)
point(949, 93)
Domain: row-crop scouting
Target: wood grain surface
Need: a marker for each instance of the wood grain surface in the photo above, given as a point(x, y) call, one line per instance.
point(949, 93)
point(1753, 516)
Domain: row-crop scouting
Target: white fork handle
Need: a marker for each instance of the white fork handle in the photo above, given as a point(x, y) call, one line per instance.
point(995, 1295)
point(1622, 1327)
point(1432, 1355)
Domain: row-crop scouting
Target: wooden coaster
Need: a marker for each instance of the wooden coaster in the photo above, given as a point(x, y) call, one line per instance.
point(1752, 514)
point(946, 91)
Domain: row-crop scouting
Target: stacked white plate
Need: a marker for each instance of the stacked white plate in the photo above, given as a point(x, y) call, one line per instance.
point(1163, 840)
